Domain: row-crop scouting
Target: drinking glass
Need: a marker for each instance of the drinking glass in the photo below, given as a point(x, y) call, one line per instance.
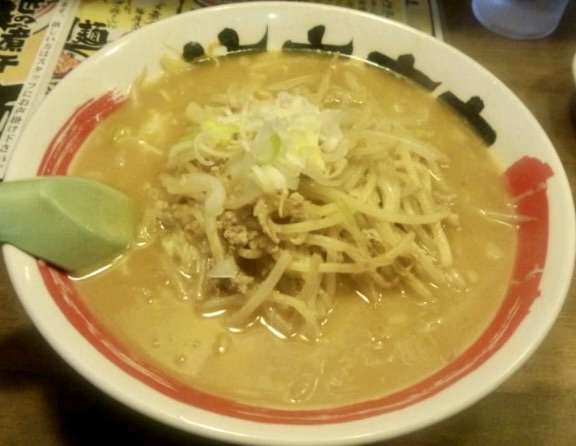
point(520, 19)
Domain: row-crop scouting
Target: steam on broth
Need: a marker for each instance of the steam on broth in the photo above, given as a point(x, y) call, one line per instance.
point(315, 231)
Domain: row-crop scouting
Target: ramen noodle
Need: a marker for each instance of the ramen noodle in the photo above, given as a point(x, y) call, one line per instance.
point(326, 230)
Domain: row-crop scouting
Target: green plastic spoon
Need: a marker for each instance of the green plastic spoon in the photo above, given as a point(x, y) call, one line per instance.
point(74, 223)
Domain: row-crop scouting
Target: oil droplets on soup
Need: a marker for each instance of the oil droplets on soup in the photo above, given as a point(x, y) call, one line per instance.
point(315, 231)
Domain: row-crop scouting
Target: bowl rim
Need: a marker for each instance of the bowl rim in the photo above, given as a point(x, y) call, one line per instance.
point(574, 69)
point(15, 260)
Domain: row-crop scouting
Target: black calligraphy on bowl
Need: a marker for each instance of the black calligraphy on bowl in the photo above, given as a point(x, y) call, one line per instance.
point(404, 65)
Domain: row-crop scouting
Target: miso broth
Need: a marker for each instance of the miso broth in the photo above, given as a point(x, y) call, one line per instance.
point(370, 345)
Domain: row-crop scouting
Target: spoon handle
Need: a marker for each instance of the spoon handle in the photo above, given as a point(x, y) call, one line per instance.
point(20, 205)
point(71, 222)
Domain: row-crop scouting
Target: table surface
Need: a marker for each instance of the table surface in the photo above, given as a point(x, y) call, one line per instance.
point(44, 402)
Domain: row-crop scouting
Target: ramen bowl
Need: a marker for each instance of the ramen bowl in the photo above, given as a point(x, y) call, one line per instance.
point(540, 279)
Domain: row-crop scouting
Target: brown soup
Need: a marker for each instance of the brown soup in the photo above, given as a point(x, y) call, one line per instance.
point(370, 344)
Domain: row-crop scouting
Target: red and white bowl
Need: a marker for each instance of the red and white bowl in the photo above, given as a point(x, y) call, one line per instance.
point(542, 274)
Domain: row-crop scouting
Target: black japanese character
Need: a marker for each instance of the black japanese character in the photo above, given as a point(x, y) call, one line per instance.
point(29, 6)
point(403, 65)
point(8, 61)
point(86, 36)
point(7, 7)
point(8, 96)
point(14, 39)
point(315, 36)
point(471, 112)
